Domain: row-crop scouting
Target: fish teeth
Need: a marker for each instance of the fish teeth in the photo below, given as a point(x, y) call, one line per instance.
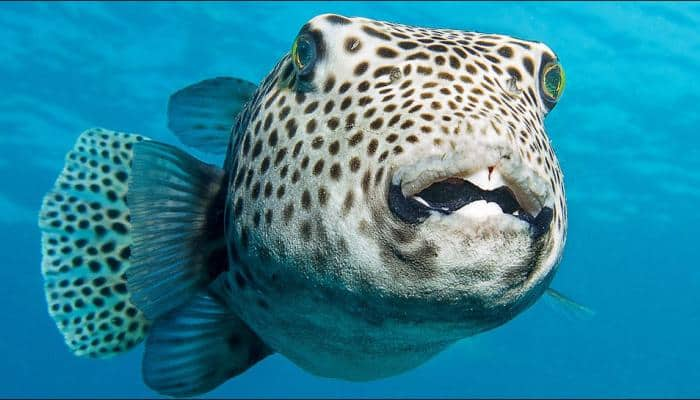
point(485, 179)
point(480, 209)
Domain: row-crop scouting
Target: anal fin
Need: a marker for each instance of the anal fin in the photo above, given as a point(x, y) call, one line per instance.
point(177, 205)
point(193, 349)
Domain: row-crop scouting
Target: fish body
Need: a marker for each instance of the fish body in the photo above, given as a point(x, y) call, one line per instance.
point(387, 190)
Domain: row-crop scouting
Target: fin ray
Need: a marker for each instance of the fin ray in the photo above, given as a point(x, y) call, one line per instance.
point(193, 349)
point(170, 196)
point(571, 307)
point(202, 115)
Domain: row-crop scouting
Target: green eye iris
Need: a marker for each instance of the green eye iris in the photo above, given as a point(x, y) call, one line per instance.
point(553, 81)
point(304, 54)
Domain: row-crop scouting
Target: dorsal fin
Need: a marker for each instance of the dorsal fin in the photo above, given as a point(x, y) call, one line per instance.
point(201, 115)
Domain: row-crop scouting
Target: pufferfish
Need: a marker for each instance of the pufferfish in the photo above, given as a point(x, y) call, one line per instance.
point(387, 190)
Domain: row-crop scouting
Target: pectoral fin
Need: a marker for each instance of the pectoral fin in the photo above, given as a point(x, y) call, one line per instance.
point(570, 306)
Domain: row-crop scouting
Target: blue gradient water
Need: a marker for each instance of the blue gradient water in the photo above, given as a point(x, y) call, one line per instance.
point(626, 132)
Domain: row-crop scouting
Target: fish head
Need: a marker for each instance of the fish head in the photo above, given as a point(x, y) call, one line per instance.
point(403, 174)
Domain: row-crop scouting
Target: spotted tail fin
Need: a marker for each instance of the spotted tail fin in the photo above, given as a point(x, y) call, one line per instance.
point(86, 247)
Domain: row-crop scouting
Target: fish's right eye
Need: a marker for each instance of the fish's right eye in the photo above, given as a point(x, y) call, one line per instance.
point(304, 54)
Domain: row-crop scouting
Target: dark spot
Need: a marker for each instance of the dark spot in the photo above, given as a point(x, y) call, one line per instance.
point(322, 196)
point(311, 126)
point(291, 128)
point(515, 73)
point(328, 107)
point(372, 147)
point(529, 65)
point(344, 87)
point(360, 69)
point(375, 33)
point(335, 171)
point(306, 200)
point(311, 107)
point(354, 164)
point(386, 52)
point(356, 138)
point(328, 86)
point(408, 45)
point(318, 167)
point(333, 123)
point(334, 147)
point(338, 20)
point(348, 201)
point(94, 266)
point(297, 149)
point(305, 230)
point(288, 212)
point(505, 51)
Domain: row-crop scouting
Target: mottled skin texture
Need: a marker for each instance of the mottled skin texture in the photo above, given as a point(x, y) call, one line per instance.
point(320, 268)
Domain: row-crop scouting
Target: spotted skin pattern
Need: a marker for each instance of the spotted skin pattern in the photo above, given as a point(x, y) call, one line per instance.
point(86, 236)
point(320, 268)
point(312, 242)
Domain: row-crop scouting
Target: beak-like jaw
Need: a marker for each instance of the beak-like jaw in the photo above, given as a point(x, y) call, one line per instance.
point(495, 188)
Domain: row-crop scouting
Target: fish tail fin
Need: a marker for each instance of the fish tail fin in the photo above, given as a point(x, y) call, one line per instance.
point(133, 246)
point(86, 247)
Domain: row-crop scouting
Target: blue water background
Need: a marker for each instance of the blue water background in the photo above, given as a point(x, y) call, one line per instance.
point(626, 132)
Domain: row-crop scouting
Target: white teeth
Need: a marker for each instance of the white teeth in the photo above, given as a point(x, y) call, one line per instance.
point(420, 200)
point(485, 179)
point(480, 209)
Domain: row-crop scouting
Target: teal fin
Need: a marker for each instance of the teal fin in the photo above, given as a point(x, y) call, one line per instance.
point(177, 205)
point(202, 115)
point(570, 306)
point(196, 348)
point(86, 245)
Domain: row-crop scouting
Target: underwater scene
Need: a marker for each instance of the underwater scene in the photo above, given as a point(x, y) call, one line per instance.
point(400, 211)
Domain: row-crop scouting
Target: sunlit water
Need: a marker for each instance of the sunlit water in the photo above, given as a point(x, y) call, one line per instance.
point(626, 132)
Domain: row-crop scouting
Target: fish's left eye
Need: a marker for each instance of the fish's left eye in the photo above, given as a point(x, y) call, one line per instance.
point(304, 54)
point(553, 81)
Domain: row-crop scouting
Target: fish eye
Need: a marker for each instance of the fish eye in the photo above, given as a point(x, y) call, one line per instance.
point(553, 81)
point(304, 54)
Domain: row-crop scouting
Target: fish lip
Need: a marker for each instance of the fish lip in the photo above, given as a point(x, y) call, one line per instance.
point(530, 192)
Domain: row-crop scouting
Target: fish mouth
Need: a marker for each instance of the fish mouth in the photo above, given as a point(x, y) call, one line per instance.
point(485, 191)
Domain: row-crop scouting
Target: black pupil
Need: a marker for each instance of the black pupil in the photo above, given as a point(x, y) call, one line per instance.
point(552, 81)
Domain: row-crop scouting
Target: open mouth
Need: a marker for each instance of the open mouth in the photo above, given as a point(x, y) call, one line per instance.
point(452, 194)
